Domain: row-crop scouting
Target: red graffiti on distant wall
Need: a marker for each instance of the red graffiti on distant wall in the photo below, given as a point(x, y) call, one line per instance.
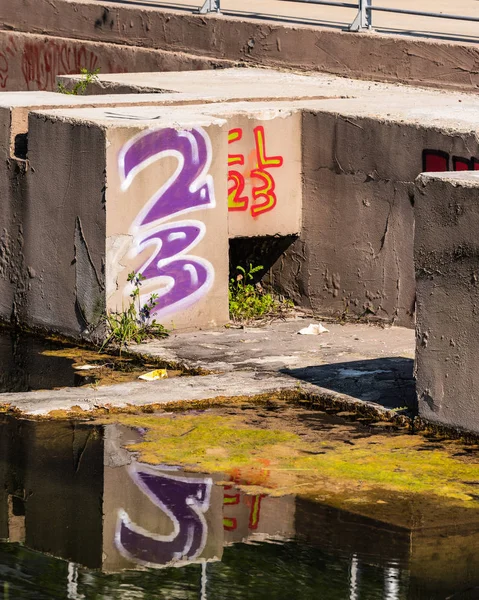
point(264, 195)
point(437, 161)
point(10, 51)
point(43, 61)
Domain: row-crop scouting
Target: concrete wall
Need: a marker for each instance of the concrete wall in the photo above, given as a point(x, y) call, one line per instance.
point(354, 256)
point(64, 226)
point(81, 219)
point(153, 200)
point(377, 57)
point(32, 62)
point(447, 270)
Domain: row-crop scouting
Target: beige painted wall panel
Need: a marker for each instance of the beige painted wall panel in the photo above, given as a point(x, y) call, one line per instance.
point(264, 176)
point(167, 217)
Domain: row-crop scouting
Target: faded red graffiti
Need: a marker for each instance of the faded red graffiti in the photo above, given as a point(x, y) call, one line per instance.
point(10, 51)
point(437, 161)
point(258, 475)
point(43, 61)
point(263, 193)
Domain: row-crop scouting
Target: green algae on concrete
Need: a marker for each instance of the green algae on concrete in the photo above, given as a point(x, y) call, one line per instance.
point(342, 463)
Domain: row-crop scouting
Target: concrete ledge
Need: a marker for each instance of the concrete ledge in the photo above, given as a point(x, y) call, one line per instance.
point(32, 62)
point(367, 56)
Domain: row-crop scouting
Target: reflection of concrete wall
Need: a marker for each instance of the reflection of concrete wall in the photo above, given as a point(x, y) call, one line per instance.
point(4, 468)
point(447, 265)
point(256, 516)
point(170, 533)
point(63, 482)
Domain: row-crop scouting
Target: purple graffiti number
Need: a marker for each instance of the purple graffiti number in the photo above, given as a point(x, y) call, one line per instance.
point(183, 279)
point(189, 188)
point(184, 501)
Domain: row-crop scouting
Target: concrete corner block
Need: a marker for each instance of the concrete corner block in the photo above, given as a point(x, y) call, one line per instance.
point(120, 196)
point(166, 218)
point(446, 256)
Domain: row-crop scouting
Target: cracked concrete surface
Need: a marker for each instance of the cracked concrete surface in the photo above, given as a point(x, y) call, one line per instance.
point(356, 363)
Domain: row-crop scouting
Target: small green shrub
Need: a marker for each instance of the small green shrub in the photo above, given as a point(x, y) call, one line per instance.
point(80, 86)
point(133, 325)
point(248, 301)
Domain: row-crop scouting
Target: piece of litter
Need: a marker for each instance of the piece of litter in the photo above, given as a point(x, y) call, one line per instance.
point(313, 329)
point(86, 367)
point(154, 375)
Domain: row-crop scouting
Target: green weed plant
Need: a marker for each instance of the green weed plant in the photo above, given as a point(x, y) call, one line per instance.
point(133, 325)
point(80, 87)
point(249, 301)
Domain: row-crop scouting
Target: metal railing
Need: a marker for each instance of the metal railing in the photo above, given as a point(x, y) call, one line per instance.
point(364, 17)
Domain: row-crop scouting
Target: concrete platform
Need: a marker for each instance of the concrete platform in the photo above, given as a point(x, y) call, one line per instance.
point(357, 364)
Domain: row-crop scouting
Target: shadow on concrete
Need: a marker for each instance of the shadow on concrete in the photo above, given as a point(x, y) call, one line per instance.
point(388, 382)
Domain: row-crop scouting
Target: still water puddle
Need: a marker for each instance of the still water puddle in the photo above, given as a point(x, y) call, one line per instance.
point(83, 516)
point(28, 362)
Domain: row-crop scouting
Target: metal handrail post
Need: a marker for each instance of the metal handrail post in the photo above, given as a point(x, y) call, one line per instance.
point(364, 18)
point(209, 6)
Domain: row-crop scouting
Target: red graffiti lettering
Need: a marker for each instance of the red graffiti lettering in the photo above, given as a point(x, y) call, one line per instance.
point(43, 61)
point(264, 196)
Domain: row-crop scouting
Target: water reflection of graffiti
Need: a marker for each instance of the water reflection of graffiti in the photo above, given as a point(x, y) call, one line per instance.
point(181, 279)
point(184, 501)
point(263, 192)
point(437, 161)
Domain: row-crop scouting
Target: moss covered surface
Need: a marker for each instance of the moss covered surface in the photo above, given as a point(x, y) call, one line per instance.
point(372, 468)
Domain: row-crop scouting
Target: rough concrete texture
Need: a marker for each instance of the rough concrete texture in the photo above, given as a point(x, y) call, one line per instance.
point(446, 261)
point(32, 62)
point(358, 182)
point(368, 56)
point(358, 188)
point(360, 364)
point(362, 147)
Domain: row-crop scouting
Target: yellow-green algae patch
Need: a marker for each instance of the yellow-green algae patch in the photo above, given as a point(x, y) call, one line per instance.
point(290, 458)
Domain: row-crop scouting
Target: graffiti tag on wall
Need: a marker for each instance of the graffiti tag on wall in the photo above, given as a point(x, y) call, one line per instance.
point(42, 62)
point(181, 279)
point(437, 161)
point(263, 192)
point(184, 500)
point(39, 62)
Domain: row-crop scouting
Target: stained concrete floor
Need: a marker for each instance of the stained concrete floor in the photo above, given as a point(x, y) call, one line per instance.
point(356, 362)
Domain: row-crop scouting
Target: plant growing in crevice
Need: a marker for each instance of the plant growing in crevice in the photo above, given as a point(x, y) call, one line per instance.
point(249, 301)
point(80, 86)
point(133, 325)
